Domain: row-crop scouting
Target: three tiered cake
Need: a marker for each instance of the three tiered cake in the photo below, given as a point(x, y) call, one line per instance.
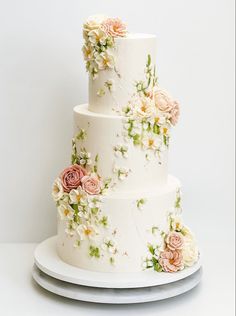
point(118, 209)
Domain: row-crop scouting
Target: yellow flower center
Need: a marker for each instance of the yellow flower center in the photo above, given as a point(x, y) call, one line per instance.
point(87, 231)
point(144, 108)
point(79, 196)
point(150, 142)
point(165, 130)
point(157, 119)
point(66, 212)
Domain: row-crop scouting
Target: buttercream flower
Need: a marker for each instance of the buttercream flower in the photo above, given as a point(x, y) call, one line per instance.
point(109, 245)
point(78, 196)
point(91, 185)
point(144, 107)
point(151, 141)
point(174, 113)
point(88, 52)
point(163, 101)
point(57, 190)
point(94, 22)
point(190, 251)
point(114, 27)
point(171, 260)
point(104, 60)
point(86, 231)
point(97, 36)
point(65, 211)
point(175, 241)
point(176, 223)
point(71, 177)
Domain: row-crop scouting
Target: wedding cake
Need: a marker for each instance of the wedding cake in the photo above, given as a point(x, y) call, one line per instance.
point(118, 209)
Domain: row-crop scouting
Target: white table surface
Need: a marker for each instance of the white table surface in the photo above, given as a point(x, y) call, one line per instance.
point(20, 295)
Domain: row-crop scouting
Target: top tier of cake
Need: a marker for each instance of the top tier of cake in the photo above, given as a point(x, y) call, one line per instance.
point(113, 88)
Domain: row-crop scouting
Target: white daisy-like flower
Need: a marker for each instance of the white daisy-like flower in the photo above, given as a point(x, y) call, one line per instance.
point(104, 60)
point(57, 190)
point(109, 245)
point(151, 141)
point(78, 196)
point(97, 36)
point(86, 231)
point(144, 107)
point(88, 52)
point(65, 211)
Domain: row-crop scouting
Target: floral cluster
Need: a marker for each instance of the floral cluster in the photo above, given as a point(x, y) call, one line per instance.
point(78, 195)
point(177, 250)
point(99, 33)
point(150, 114)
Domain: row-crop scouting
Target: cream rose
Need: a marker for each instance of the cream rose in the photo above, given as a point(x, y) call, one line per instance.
point(91, 185)
point(94, 22)
point(175, 241)
point(190, 251)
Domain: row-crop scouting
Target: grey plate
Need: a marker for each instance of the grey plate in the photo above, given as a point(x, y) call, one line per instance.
point(115, 296)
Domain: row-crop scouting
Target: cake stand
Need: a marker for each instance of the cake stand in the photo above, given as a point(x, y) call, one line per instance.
point(56, 276)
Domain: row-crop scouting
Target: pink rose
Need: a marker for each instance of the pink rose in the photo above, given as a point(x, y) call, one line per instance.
point(167, 105)
point(114, 27)
point(91, 185)
point(71, 177)
point(174, 113)
point(171, 260)
point(175, 241)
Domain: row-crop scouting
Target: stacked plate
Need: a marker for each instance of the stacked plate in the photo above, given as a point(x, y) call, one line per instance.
point(56, 276)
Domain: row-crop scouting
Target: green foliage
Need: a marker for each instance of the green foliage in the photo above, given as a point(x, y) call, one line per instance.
point(94, 252)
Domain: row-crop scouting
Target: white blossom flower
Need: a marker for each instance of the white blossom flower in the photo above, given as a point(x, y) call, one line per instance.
point(104, 60)
point(97, 36)
point(151, 141)
point(88, 52)
point(121, 151)
point(84, 158)
point(86, 231)
point(122, 173)
point(57, 190)
point(109, 245)
point(147, 262)
point(71, 228)
point(65, 211)
point(78, 196)
point(144, 107)
point(95, 202)
point(176, 223)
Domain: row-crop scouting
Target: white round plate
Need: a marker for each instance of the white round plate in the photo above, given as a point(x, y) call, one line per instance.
point(115, 296)
point(48, 261)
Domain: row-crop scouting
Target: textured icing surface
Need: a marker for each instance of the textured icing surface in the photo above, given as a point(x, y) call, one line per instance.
point(103, 134)
point(130, 56)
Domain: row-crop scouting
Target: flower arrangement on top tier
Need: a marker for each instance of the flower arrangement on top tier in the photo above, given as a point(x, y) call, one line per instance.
point(99, 33)
point(78, 195)
point(178, 249)
point(150, 114)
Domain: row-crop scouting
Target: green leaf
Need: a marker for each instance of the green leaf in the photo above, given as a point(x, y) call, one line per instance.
point(156, 129)
point(94, 252)
point(149, 60)
point(136, 139)
point(151, 249)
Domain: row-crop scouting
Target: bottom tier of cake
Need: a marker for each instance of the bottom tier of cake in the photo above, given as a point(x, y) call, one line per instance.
point(128, 233)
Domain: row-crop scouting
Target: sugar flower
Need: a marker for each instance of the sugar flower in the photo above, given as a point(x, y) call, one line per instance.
point(114, 27)
point(175, 241)
point(91, 184)
point(71, 177)
point(171, 260)
point(57, 190)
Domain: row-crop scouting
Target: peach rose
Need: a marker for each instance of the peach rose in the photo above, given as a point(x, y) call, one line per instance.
point(171, 260)
point(167, 105)
point(174, 113)
point(91, 185)
point(175, 241)
point(114, 27)
point(163, 101)
point(71, 177)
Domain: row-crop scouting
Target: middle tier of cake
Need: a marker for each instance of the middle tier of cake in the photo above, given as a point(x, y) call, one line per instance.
point(104, 139)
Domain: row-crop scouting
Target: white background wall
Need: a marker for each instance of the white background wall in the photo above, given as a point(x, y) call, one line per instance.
point(42, 77)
